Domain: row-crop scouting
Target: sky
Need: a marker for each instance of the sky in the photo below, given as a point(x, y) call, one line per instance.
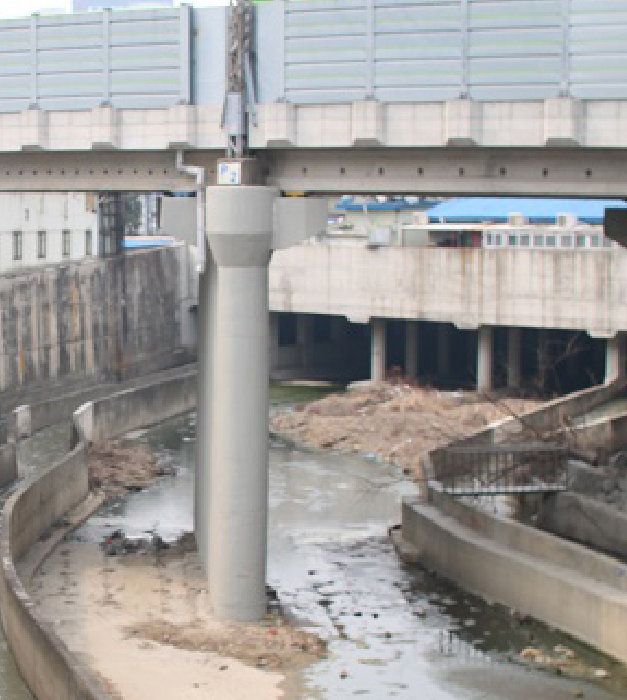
point(22, 8)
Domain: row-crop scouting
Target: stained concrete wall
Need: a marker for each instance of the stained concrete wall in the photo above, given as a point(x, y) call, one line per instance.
point(575, 290)
point(103, 318)
point(586, 520)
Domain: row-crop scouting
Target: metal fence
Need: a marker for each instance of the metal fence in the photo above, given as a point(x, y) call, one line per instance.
point(532, 467)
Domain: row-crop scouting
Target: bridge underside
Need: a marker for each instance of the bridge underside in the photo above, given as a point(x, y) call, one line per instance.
point(448, 171)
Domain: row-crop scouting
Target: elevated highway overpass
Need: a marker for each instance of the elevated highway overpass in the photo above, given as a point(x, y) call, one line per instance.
point(425, 96)
point(445, 97)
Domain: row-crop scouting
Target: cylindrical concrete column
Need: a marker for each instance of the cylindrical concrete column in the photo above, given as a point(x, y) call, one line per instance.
point(513, 358)
point(444, 353)
point(206, 338)
point(615, 357)
point(239, 229)
point(484, 358)
point(411, 349)
point(202, 423)
point(377, 349)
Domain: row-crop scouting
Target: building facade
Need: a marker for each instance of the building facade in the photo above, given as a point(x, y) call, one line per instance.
point(43, 228)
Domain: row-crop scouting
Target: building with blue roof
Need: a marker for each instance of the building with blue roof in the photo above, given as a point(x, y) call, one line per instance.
point(498, 210)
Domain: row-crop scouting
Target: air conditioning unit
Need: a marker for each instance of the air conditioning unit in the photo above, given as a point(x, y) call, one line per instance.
point(566, 220)
point(420, 218)
point(516, 219)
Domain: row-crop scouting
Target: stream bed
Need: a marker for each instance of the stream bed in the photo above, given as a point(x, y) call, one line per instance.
point(393, 630)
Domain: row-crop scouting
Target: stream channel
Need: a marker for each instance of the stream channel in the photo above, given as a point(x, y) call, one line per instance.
point(394, 630)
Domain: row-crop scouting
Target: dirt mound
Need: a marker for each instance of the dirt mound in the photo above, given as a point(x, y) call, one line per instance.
point(272, 647)
point(395, 423)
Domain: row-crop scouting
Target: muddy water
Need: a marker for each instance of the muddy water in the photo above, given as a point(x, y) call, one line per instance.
point(394, 631)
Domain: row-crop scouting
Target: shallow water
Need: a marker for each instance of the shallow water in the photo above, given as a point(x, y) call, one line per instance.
point(393, 630)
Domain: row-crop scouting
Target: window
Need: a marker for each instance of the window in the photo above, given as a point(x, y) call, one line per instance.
point(65, 243)
point(512, 239)
point(595, 241)
point(580, 240)
point(538, 241)
point(88, 243)
point(524, 240)
point(488, 239)
point(17, 245)
point(566, 241)
point(551, 240)
point(497, 239)
point(41, 244)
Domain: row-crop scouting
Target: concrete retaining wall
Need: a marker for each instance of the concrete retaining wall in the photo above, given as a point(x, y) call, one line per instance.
point(113, 317)
point(587, 609)
point(45, 663)
point(589, 521)
point(133, 408)
point(565, 584)
point(528, 540)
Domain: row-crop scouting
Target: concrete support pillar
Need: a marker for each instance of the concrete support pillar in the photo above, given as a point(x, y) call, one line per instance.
point(444, 363)
point(239, 229)
point(377, 349)
point(484, 358)
point(411, 349)
point(615, 357)
point(206, 337)
point(514, 358)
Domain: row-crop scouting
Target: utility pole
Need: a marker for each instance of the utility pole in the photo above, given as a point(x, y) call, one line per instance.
point(239, 100)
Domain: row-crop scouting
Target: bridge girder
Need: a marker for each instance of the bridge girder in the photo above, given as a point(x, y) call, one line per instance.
point(450, 171)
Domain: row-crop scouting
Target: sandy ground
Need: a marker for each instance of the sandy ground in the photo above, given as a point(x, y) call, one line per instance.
point(145, 626)
point(395, 423)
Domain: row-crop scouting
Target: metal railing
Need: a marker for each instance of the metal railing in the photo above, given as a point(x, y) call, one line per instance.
point(475, 470)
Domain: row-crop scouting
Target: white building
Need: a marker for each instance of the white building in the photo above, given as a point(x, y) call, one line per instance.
point(43, 228)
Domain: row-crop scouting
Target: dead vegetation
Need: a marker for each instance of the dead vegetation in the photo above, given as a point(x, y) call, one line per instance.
point(395, 423)
point(116, 468)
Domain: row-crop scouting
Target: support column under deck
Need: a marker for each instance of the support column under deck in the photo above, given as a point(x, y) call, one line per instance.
point(206, 336)
point(377, 349)
point(239, 229)
point(513, 358)
point(411, 349)
point(484, 358)
point(615, 357)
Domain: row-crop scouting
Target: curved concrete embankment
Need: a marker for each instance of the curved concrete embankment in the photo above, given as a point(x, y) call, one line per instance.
point(570, 586)
point(45, 663)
